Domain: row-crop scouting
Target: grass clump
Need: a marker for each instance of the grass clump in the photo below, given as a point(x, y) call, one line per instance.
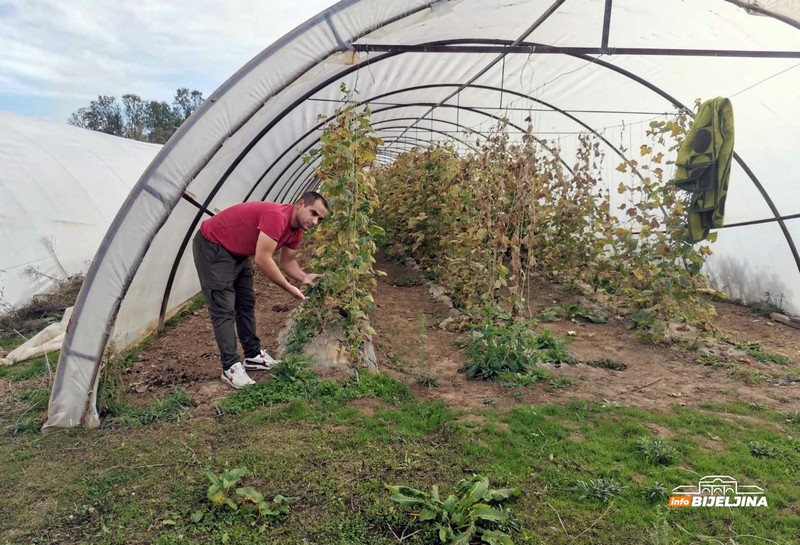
point(656, 451)
point(606, 363)
point(169, 409)
point(292, 380)
point(31, 368)
point(762, 450)
point(655, 494)
point(602, 489)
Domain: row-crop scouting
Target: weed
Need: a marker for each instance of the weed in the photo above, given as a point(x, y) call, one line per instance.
point(655, 494)
point(571, 311)
point(511, 347)
point(762, 450)
point(748, 376)
point(111, 388)
point(606, 363)
point(519, 379)
point(189, 308)
point(219, 493)
point(28, 423)
point(293, 380)
point(406, 280)
point(793, 418)
point(471, 512)
point(602, 489)
point(561, 382)
point(656, 451)
point(576, 311)
point(34, 368)
point(768, 304)
point(661, 534)
point(428, 381)
point(34, 397)
point(757, 352)
point(711, 360)
point(169, 409)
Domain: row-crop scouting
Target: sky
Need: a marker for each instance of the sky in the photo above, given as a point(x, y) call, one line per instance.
point(58, 55)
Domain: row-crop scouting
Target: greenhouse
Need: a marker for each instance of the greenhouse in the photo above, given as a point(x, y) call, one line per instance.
point(451, 71)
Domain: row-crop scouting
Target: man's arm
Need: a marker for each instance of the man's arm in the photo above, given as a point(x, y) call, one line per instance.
point(292, 267)
point(265, 249)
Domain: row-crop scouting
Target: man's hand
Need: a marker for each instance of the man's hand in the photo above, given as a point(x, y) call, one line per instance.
point(296, 293)
point(311, 279)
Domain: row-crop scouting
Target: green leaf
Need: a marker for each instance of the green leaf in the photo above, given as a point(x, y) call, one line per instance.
point(197, 516)
point(445, 534)
point(482, 511)
point(427, 514)
point(407, 491)
point(213, 478)
point(450, 504)
point(250, 493)
point(479, 490)
point(501, 494)
point(407, 501)
point(496, 537)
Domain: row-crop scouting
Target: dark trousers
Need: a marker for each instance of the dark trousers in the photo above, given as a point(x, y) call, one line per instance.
point(227, 283)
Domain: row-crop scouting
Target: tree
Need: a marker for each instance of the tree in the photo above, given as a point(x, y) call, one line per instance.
point(103, 115)
point(146, 120)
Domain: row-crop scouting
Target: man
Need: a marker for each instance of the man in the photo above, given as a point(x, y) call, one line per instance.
point(222, 248)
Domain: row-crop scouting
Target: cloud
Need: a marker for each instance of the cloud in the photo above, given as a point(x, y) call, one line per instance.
point(73, 51)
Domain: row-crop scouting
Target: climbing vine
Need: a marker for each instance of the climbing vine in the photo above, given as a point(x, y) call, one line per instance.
point(345, 241)
point(484, 222)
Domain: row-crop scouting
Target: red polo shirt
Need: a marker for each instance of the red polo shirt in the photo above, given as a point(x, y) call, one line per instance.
point(236, 228)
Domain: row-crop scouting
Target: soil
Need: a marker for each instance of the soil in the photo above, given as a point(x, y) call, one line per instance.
point(412, 347)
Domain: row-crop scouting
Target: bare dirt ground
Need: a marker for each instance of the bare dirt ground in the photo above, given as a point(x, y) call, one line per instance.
point(410, 344)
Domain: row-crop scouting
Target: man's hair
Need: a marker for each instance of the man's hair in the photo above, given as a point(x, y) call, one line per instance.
point(310, 197)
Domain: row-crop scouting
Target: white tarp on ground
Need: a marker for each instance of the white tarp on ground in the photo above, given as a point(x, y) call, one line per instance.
point(245, 142)
point(60, 188)
point(47, 341)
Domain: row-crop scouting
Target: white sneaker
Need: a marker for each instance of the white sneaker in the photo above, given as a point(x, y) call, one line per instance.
point(260, 362)
point(236, 376)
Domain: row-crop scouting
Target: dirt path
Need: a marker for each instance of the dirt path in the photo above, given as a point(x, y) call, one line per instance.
point(411, 347)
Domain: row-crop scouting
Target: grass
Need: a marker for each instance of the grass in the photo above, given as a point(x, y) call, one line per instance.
point(29, 369)
point(142, 484)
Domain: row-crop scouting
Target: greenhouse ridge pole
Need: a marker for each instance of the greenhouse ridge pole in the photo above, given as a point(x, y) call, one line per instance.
point(545, 49)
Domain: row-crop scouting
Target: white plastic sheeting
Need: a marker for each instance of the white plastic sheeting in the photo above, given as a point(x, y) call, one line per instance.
point(60, 188)
point(245, 142)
